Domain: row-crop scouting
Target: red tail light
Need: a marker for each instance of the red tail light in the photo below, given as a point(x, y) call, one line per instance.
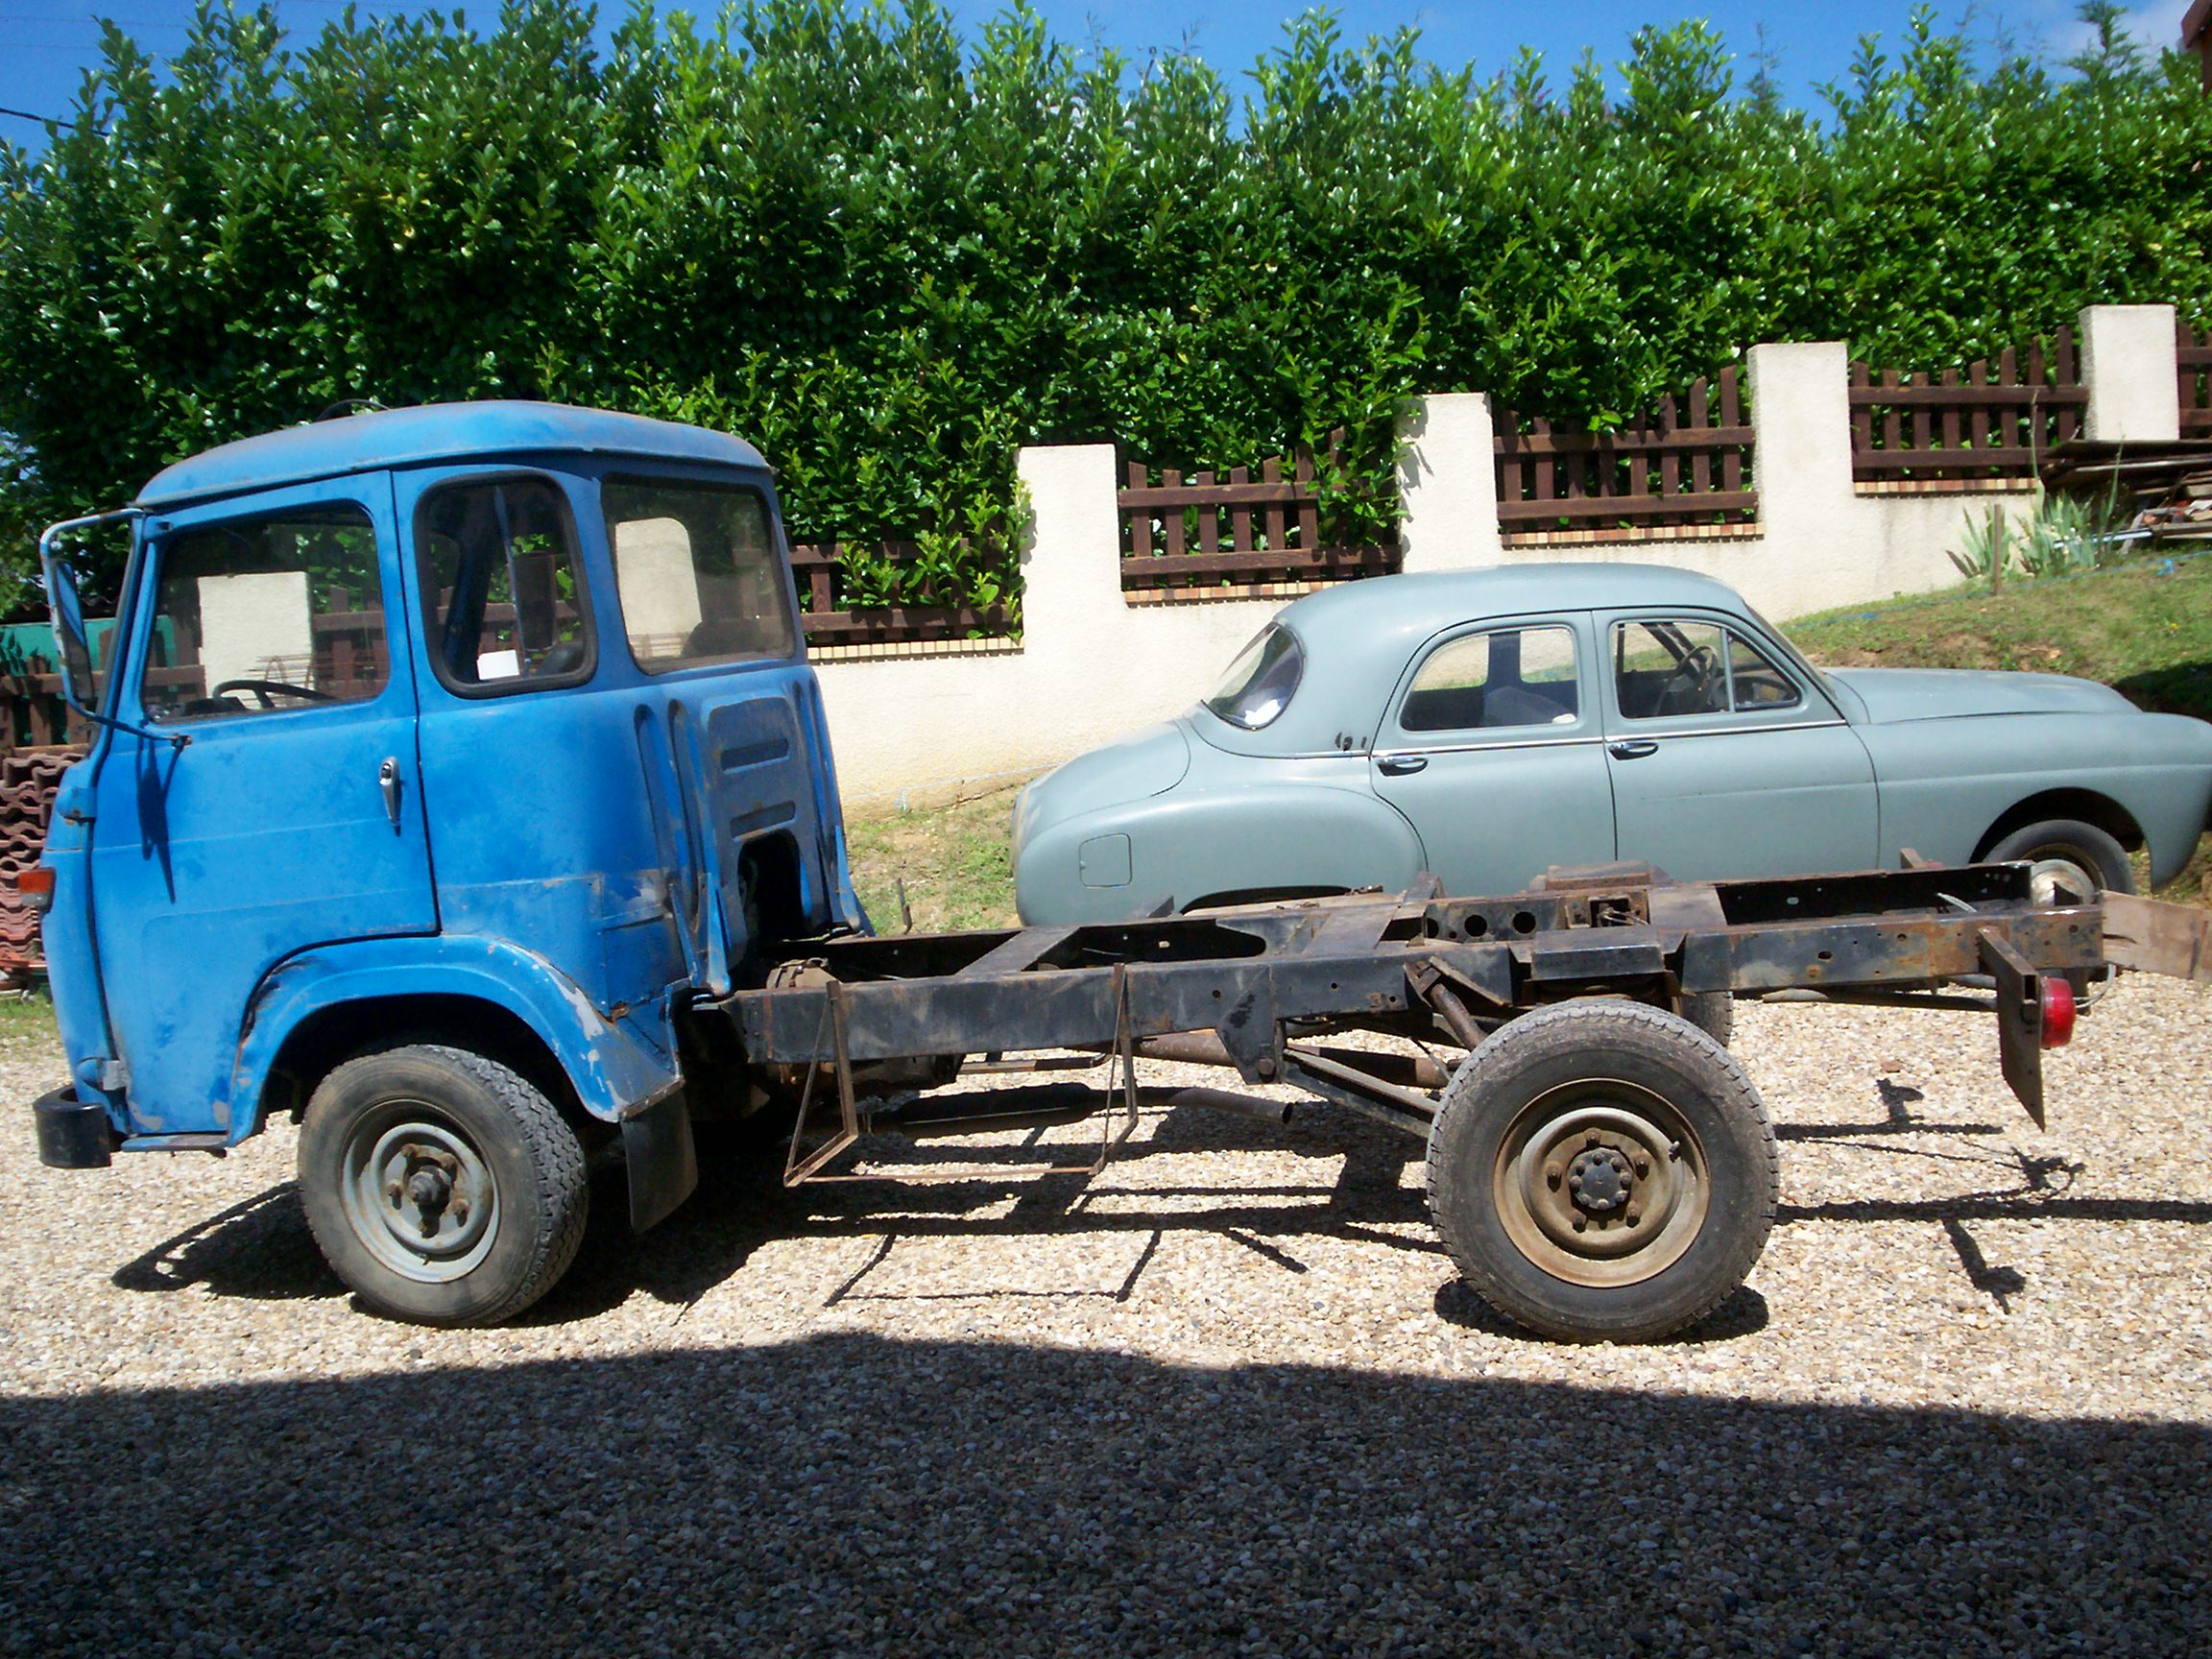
point(2058, 1011)
point(36, 885)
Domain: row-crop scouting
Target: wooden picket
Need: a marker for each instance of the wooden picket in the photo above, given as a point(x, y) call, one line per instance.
point(1174, 539)
point(1687, 461)
point(2192, 378)
point(1990, 423)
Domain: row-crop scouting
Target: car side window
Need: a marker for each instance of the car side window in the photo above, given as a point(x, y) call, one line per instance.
point(1502, 678)
point(502, 594)
point(1665, 668)
point(1754, 682)
point(262, 614)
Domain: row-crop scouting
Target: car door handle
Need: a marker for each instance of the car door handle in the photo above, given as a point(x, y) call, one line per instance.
point(1399, 765)
point(1632, 749)
point(388, 780)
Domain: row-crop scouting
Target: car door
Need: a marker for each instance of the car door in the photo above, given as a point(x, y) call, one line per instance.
point(1726, 761)
point(1492, 748)
point(291, 815)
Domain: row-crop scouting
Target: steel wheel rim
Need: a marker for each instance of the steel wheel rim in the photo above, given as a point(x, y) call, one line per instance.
point(446, 1217)
point(2046, 875)
point(1602, 1122)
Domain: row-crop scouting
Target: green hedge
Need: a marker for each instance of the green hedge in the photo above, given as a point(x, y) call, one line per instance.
point(890, 259)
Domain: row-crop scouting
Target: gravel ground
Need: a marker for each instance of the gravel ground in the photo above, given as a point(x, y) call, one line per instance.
point(1228, 1396)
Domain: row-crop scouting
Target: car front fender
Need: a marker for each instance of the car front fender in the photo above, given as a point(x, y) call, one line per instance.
point(617, 1068)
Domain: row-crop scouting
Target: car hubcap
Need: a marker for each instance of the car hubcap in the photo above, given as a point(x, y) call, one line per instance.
point(1600, 1182)
point(418, 1194)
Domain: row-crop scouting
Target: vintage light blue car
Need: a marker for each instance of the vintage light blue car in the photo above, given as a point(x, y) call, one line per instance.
point(1486, 725)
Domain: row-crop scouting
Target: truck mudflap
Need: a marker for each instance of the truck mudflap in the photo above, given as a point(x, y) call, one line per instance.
point(73, 1133)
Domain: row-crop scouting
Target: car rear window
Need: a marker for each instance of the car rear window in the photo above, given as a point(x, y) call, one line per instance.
point(1259, 684)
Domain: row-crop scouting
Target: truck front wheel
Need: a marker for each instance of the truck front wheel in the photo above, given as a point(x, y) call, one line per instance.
point(1603, 1171)
point(440, 1186)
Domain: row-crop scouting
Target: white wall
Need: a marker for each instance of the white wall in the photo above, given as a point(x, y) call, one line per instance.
point(1093, 667)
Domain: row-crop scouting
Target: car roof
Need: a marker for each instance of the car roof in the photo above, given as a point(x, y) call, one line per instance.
point(1358, 635)
point(433, 432)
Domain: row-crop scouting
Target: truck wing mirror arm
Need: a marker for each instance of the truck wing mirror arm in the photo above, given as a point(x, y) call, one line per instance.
point(70, 639)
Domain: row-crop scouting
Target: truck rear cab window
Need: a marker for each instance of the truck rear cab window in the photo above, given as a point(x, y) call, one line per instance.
point(698, 573)
point(502, 594)
point(262, 614)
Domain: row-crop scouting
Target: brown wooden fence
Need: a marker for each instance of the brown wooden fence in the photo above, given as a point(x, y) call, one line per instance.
point(1988, 422)
point(1688, 462)
point(829, 620)
point(1207, 532)
point(2193, 376)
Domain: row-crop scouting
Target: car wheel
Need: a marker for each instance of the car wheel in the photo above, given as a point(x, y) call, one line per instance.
point(442, 1187)
point(1603, 1171)
point(2067, 852)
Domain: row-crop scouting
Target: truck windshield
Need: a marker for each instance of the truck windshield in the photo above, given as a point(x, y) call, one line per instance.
point(1259, 683)
point(698, 572)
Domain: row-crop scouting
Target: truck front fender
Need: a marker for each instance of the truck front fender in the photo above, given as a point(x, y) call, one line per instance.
point(617, 1068)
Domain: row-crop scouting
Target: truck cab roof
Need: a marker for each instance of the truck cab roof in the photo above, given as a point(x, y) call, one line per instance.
point(433, 432)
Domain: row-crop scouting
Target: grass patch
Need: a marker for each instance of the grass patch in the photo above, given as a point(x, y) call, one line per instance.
point(27, 1019)
point(956, 862)
point(2145, 629)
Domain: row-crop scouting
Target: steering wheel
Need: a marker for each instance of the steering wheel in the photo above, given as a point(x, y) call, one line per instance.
point(1693, 679)
point(263, 690)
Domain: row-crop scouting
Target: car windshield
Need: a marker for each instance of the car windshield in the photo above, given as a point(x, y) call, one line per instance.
point(1259, 683)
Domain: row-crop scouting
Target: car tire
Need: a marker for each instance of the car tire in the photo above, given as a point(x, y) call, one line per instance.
point(1684, 1146)
point(442, 1187)
point(2058, 844)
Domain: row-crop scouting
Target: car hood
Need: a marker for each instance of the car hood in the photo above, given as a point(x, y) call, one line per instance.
point(1147, 762)
point(1895, 694)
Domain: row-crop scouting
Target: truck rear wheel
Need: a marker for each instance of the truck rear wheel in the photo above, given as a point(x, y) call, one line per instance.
point(440, 1186)
point(1603, 1171)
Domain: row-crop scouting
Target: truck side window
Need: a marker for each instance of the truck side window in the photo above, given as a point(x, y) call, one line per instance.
point(698, 571)
point(502, 599)
point(262, 614)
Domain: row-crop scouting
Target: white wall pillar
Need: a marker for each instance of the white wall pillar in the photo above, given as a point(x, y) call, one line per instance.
point(1801, 408)
point(1071, 550)
point(1448, 483)
point(2128, 361)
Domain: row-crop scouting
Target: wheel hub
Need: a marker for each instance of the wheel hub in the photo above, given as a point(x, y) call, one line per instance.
point(1599, 1180)
point(1598, 1183)
point(420, 1196)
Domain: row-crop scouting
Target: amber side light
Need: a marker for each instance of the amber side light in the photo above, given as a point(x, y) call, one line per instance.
point(36, 885)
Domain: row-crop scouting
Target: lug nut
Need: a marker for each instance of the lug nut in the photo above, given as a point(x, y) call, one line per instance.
point(1591, 1139)
point(1551, 1173)
point(1581, 1223)
point(1635, 1214)
point(460, 1215)
point(1643, 1167)
point(392, 1192)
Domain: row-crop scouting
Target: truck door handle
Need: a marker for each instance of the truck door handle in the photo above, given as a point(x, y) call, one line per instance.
point(1399, 765)
point(388, 780)
point(1632, 749)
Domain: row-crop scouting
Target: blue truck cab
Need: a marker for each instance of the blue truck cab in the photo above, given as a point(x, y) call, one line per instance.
point(443, 759)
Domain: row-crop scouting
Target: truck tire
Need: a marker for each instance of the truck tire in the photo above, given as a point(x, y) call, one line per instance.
point(1565, 1124)
point(2062, 847)
point(442, 1187)
point(1712, 1012)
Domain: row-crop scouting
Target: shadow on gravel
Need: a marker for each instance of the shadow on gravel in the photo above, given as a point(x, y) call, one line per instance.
point(856, 1495)
point(259, 1249)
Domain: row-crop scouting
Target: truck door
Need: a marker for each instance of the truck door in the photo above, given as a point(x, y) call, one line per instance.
point(1725, 762)
point(291, 817)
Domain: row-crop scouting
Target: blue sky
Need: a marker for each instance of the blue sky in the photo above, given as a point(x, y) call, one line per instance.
point(46, 45)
